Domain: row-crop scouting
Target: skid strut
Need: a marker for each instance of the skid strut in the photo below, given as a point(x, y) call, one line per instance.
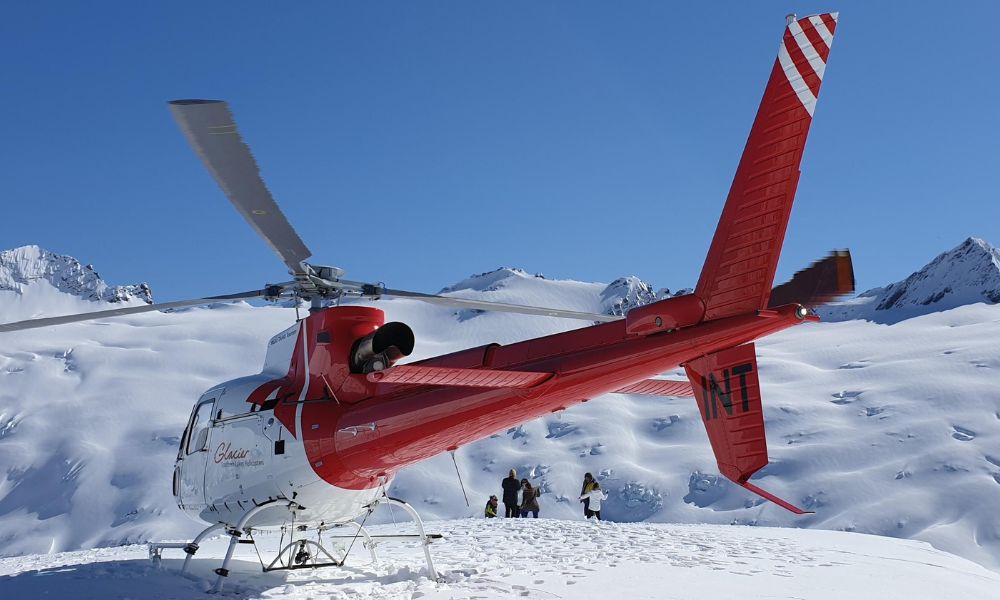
point(424, 538)
point(234, 538)
point(301, 553)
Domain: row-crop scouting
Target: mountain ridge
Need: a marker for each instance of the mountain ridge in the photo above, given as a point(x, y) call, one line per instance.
point(967, 274)
point(26, 265)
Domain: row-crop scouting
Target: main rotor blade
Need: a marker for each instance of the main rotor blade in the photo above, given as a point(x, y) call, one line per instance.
point(131, 310)
point(211, 131)
point(499, 306)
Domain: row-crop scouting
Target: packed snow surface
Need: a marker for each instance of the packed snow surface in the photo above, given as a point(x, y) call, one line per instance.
point(543, 558)
point(885, 422)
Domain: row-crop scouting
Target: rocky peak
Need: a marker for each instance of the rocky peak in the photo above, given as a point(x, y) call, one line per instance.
point(24, 266)
point(966, 274)
point(626, 293)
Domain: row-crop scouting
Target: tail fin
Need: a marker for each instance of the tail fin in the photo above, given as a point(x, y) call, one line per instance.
point(739, 269)
point(727, 391)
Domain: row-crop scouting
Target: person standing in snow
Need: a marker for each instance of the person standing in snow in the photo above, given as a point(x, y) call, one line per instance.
point(529, 499)
point(491, 507)
point(588, 484)
point(596, 496)
point(511, 486)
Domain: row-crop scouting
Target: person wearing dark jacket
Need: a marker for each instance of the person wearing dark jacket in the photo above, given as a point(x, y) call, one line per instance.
point(529, 499)
point(588, 484)
point(511, 486)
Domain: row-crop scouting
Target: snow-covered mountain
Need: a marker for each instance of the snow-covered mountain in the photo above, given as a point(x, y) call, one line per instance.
point(37, 283)
point(27, 265)
point(616, 298)
point(886, 430)
point(966, 274)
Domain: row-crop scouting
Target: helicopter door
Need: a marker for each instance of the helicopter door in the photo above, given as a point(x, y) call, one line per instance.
point(195, 455)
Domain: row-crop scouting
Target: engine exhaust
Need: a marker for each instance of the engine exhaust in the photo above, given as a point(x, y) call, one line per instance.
point(382, 348)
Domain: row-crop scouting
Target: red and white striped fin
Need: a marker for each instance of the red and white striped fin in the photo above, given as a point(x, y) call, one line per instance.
point(803, 54)
point(741, 262)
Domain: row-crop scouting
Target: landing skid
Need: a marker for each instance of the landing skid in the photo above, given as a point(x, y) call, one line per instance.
point(302, 553)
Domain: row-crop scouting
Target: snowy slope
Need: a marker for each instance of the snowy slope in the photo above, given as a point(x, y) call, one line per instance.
point(892, 430)
point(541, 558)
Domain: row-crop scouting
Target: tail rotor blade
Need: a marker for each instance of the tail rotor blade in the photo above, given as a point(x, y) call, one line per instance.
point(823, 281)
point(211, 131)
point(131, 310)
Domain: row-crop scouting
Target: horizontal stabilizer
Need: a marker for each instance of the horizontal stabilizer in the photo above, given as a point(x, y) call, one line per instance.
point(658, 387)
point(727, 391)
point(448, 376)
point(821, 282)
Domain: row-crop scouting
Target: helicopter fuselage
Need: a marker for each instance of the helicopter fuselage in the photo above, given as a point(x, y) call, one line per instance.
point(309, 429)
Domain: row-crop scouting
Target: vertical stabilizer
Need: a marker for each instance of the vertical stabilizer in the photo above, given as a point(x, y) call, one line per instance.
point(742, 259)
point(727, 390)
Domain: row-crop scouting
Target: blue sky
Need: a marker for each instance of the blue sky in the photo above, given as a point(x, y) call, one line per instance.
point(419, 142)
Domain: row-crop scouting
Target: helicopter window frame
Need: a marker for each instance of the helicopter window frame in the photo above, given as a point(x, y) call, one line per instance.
point(193, 429)
point(231, 418)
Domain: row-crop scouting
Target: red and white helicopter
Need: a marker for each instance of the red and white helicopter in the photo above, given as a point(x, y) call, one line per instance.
point(315, 438)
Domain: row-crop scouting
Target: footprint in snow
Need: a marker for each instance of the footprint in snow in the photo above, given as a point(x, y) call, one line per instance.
point(662, 423)
point(857, 364)
point(560, 428)
point(845, 397)
point(962, 434)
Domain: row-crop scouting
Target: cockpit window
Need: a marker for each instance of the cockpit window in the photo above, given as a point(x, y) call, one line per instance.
point(201, 422)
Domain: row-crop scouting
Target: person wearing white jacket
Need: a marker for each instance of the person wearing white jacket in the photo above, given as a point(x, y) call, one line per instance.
point(595, 497)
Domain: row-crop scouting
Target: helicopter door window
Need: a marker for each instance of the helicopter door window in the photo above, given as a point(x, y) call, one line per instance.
point(200, 424)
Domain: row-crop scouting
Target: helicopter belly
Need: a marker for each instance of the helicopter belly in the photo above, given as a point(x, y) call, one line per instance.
point(320, 503)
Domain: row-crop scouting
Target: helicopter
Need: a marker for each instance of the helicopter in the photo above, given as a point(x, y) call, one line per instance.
point(313, 441)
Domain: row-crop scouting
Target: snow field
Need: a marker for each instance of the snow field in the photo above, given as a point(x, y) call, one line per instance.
point(541, 558)
point(892, 430)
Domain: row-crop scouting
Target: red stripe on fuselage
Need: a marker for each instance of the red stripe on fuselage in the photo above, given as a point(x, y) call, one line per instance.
point(291, 386)
point(259, 396)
